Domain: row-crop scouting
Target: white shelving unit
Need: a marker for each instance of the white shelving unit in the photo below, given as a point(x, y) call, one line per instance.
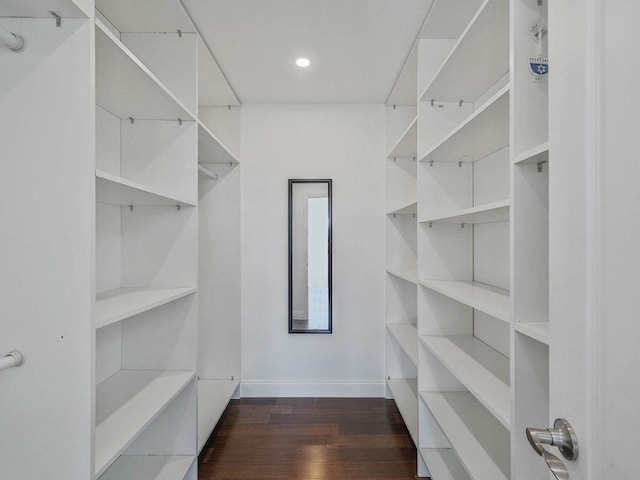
point(490, 300)
point(537, 154)
point(211, 149)
point(530, 173)
point(464, 210)
point(219, 117)
point(113, 190)
point(407, 337)
point(479, 441)
point(405, 394)
point(444, 464)
point(160, 467)
point(484, 43)
point(146, 241)
point(481, 369)
point(489, 213)
point(126, 404)
point(401, 254)
point(408, 274)
point(405, 147)
point(145, 96)
point(408, 209)
point(213, 397)
point(122, 303)
point(476, 136)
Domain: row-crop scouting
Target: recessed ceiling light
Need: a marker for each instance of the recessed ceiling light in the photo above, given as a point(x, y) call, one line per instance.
point(303, 62)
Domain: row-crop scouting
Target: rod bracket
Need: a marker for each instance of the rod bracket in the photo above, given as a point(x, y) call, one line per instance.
point(57, 17)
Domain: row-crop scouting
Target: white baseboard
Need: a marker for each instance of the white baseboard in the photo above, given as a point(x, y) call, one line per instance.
point(339, 389)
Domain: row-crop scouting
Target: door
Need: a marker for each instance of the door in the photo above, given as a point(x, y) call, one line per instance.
point(595, 232)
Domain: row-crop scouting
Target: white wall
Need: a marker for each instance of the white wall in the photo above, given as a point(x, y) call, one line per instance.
point(345, 143)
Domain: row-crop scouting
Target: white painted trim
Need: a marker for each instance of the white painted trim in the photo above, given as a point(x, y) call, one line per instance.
point(309, 388)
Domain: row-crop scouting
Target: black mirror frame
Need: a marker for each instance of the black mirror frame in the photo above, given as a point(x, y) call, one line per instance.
point(328, 181)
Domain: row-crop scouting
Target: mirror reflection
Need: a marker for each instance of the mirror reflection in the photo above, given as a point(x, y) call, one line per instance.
point(310, 256)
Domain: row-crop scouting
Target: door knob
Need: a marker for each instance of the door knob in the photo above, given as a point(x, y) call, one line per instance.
point(561, 436)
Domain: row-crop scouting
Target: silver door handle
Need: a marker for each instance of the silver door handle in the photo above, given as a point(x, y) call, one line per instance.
point(562, 436)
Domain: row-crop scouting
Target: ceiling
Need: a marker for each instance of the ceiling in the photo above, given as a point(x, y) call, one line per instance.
point(357, 47)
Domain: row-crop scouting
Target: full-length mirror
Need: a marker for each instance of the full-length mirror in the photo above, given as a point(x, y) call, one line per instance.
point(310, 256)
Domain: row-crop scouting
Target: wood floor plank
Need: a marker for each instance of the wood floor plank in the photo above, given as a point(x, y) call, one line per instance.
point(309, 439)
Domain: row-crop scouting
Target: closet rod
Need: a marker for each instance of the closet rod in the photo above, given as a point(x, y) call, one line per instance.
point(14, 41)
point(11, 359)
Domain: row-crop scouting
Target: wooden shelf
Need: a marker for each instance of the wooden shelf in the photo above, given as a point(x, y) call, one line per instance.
point(150, 467)
point(116, 305)
point(409, 209)
point(210, 149)
point(405, 394)
point(407, 144)
point(41, 9)
point(146, 16)
point(539, 153)
point(487, 299)
point(406, 335)
point(126, 403)
point(409, 274)
point(489, 213)
point(483, 132)
point(443, 464)
point(537, 330)
point(480, 368)
point(480, 442)
point(479, 58)
point(126, 88)
point(213, 397)
point(114, 190)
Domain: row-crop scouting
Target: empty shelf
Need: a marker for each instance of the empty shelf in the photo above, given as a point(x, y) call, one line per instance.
point(126, 403)
point(405, 394)
point(210, 149)
point(116, 305)
point(489, 213)
point(537, 330)
point(490, 300)
point(408, 274)
point(539, 153)
point(483, 132)
point(407, 144)
point(409, 209)
point(443, 464)
point(127, 88)
point(150, 467)
point(213, 397)
point(480, 442)
point(406, 335)
point(481, 369)
point(114, 190)
point(484, 42)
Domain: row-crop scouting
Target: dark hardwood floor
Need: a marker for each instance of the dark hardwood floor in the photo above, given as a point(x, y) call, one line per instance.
point(309, 438)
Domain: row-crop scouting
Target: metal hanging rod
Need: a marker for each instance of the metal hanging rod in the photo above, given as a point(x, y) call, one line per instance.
point(11, 359)
point(208, 173)
point(12, 40)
